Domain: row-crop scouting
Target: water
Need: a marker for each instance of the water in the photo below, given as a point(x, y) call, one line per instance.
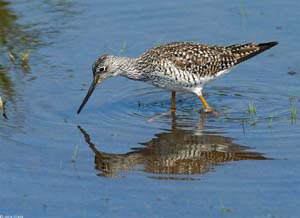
point(110, 161)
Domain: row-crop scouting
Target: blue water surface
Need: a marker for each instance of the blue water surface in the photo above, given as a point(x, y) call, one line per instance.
point(126, 160)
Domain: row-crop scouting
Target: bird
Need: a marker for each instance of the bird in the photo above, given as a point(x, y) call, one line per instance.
point(176, 66)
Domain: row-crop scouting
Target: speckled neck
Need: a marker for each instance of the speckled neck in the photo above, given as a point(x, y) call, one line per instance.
point(127, 67)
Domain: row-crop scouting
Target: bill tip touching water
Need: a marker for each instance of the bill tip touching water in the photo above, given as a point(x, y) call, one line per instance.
point(177, 66)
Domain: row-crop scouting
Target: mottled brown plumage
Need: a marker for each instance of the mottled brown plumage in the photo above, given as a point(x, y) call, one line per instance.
point(177, 66)
point(203, 60)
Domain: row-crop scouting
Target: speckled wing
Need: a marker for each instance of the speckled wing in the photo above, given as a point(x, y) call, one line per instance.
point(204, 60)
point(249, 50)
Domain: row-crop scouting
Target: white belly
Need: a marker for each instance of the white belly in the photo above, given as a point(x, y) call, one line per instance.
point(183, 83)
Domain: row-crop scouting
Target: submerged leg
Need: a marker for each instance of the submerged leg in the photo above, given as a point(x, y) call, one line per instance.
point(205, 104)
point(173, 102)
point(170, 112)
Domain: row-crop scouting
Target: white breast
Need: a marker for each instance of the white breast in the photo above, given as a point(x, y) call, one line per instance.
point(177, 80)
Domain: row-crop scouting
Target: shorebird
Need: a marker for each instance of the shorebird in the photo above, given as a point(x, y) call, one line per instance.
point(177, 66)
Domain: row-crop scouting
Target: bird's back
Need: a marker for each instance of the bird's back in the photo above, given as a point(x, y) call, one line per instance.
point(203, 60)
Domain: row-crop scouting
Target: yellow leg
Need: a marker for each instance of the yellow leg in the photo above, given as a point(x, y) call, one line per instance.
point(205, 104)
point(173, 102)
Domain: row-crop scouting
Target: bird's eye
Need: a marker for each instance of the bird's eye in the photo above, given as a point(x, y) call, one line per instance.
point(101, 69)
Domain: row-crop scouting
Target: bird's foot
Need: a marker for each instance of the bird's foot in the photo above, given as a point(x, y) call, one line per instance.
point(210, 111)
point(150, 120)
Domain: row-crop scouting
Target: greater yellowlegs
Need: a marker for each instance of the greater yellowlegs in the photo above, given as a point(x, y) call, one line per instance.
point(177, 66)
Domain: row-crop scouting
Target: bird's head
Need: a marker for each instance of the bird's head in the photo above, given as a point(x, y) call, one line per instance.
point(107, 66)
point(103, 68)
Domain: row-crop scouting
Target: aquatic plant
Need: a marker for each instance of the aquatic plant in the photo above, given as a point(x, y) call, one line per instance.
point(293, 114)
point(251, 108)
point(270, 124)
point(252, 122)
point(75, 153)
point(25, 57)
point(123, 47)
point(225, 209)
point(2, 107)
point(12, 56)
point(1, 103)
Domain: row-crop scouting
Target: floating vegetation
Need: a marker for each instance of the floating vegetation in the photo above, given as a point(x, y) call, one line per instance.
point(12, 56)
point(252, 122)
point(25, 59)
point(123, 47)
point(293, 114)
point(251, 108)
point(2, 107)
point(75, 153)
point(1, 103)
point(225, 209)
point(270, 124)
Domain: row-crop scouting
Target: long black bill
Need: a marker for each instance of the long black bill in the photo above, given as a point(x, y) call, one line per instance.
point(89, 93)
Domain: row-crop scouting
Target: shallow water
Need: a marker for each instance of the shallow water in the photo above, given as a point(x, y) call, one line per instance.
point(119, 157)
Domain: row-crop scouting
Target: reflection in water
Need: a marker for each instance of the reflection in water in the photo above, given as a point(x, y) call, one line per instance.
point(14, 38)
point(13, 35)
point(21, 31)
point(6, 85)
point(7, 20)
point(176, 152)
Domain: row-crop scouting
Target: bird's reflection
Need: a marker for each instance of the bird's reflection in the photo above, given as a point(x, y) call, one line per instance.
point(176, 152)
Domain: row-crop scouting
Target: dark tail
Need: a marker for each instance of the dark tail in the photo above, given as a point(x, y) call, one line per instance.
point(246, 51)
